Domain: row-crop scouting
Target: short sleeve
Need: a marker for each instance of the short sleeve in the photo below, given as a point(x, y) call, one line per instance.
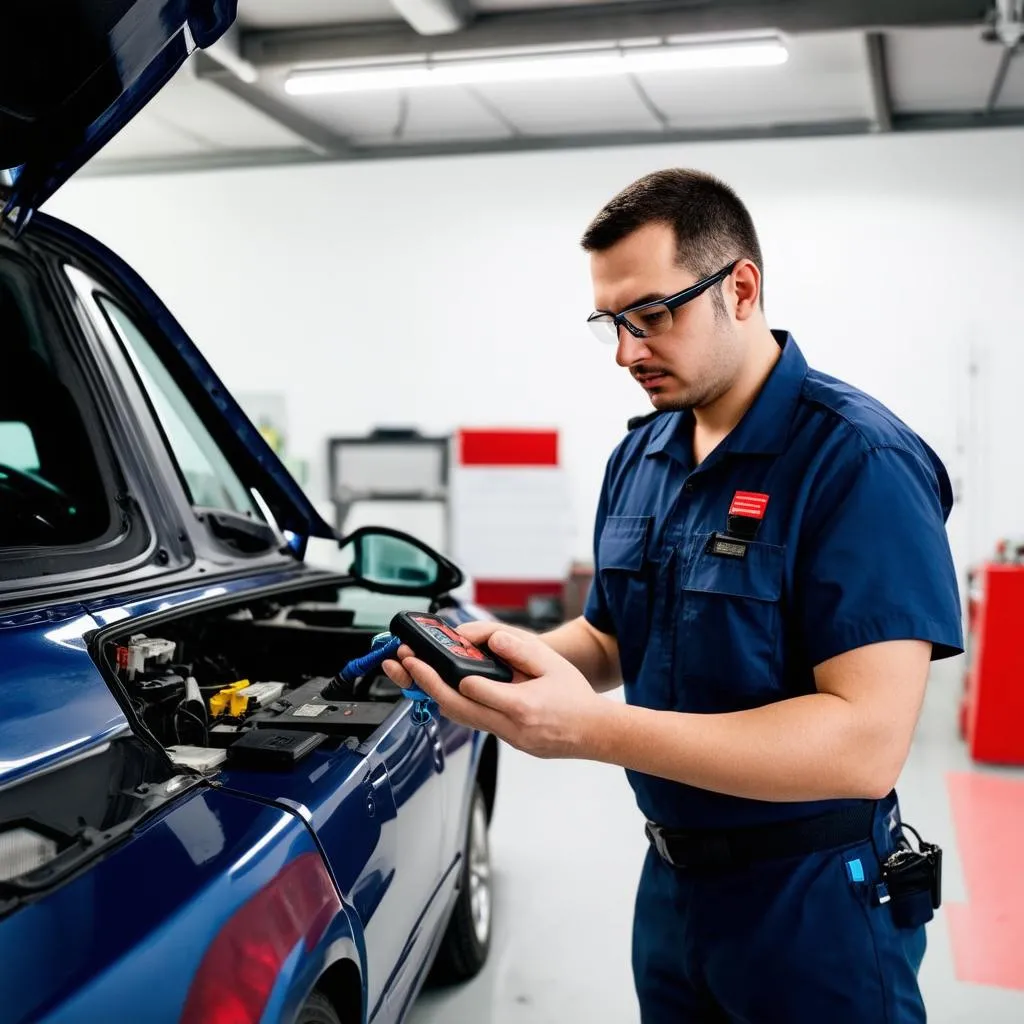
point(596, 610)
point(874, 562)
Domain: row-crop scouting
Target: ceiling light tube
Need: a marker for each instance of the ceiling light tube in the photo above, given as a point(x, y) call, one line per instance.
point(747, 53)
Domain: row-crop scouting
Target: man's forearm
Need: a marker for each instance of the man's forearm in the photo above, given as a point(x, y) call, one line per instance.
point(594, 654)
point(808, 748)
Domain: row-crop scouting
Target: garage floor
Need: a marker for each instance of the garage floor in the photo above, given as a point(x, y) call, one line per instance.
point(563, 919)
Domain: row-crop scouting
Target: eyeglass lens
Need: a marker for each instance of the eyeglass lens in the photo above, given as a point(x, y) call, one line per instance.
point(649, 320)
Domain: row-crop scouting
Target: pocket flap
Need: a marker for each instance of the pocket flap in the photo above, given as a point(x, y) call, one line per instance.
point(623, 542)
point(758, 574)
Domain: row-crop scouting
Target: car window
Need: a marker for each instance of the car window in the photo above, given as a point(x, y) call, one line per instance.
point(206, 472)
point(18, 447)
point(52, 493)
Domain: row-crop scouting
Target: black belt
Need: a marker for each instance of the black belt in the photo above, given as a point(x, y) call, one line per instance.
point(724, 849)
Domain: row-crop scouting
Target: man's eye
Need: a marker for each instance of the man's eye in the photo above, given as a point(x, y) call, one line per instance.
point(654, 318)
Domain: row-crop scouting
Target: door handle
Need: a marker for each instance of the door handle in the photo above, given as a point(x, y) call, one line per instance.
point(374, 782)
point(378, 777)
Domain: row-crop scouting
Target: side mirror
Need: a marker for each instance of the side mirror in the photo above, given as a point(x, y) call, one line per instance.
point(391, 562)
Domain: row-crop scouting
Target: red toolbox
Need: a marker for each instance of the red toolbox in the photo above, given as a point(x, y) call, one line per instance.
point(992, 711)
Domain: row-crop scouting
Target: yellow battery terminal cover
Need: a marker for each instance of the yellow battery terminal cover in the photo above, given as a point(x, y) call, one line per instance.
point(220, 702)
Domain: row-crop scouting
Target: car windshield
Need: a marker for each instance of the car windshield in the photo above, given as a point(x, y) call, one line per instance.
point(51, 491)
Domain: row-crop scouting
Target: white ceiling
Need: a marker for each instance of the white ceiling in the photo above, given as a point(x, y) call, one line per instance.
point(827, 80)
point(941, 69)
point(523, 5)
point(290, 13)
point(191, 117)
point(298, 13)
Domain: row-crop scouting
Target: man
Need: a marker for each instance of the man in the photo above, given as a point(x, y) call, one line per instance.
point(772, 581)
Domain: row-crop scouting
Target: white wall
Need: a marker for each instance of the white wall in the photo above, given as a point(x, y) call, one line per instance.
point(451, 292)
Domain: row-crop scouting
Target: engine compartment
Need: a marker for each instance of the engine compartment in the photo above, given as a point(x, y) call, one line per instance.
point(204, 682)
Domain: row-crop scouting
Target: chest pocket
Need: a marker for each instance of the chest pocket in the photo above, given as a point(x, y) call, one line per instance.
point(728, 632)
point(623, 573)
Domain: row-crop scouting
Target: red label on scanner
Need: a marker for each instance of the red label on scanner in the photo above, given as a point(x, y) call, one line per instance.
point(748, 504)
point(455, 642)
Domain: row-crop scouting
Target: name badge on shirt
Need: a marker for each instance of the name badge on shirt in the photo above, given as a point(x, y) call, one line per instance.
point(726, 547)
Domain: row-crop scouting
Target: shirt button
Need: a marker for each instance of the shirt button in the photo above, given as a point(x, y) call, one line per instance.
point(688, 487)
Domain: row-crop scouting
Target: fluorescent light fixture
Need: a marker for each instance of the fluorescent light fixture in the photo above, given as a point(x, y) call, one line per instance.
point(746, 53)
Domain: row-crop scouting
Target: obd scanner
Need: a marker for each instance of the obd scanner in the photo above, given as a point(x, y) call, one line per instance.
point(447, 652)
point(431, 639)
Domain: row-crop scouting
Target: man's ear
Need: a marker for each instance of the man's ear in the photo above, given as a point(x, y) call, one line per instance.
point(746, 280)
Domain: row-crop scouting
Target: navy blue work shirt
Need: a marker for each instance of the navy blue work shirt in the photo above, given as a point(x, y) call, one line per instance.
point(851, 549)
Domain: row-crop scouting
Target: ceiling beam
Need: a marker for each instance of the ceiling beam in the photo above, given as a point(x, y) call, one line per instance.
point(1002, 70)
point(314, 135)
point(435, 17)
point(606, 22)
point(940, 121)
point(878, 72)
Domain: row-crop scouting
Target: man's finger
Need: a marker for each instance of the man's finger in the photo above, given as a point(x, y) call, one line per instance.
point(480, 632)
point(453, 704)
point(425, 678)
point(525, 652)
point(500, 697)
point(394, 671)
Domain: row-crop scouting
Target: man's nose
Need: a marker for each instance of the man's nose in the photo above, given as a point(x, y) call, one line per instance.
point(630, 349)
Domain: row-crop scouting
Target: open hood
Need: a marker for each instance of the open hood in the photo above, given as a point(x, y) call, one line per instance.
point(75, 72)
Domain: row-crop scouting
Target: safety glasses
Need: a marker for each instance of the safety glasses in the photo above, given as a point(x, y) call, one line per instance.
point(650, 319)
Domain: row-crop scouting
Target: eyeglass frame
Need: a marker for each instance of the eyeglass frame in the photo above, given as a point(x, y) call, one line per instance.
point(671, 303)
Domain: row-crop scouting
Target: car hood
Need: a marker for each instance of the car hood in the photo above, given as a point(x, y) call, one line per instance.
point(69, 82)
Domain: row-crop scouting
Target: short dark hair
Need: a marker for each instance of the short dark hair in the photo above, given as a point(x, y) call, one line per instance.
point(711, 224)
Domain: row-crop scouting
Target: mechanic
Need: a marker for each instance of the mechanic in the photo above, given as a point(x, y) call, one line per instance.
point(772, 581)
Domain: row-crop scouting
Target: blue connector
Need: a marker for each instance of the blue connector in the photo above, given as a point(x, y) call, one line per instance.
point(382, 647)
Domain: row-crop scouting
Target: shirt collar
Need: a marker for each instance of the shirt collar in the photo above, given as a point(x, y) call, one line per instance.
point(764, 428)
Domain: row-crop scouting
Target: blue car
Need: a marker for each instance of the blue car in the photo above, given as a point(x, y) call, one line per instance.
point(201, 819)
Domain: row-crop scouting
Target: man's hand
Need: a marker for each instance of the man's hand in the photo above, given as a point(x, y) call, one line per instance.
point(549, 710)
point(594, 653)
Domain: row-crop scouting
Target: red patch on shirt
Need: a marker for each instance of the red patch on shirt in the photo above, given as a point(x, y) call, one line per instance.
point(748, 504)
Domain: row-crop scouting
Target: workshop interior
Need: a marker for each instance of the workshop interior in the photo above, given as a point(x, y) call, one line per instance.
point(296, 375)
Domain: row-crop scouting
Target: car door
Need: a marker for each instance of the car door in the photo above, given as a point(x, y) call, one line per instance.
point(413, 757)
point(383, 836)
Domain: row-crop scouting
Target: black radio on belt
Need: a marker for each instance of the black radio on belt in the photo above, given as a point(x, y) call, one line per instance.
point(912, 881)
point(744, 520)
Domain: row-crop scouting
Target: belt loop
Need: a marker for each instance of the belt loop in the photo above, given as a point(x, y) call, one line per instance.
point(656, 836)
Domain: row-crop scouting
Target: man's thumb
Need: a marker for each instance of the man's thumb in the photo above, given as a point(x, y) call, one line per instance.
point(529, 654)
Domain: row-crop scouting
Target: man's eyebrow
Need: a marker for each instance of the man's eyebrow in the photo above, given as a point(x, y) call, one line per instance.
point(651, 297)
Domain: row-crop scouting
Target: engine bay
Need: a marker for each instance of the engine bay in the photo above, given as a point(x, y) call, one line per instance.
point(257, 683)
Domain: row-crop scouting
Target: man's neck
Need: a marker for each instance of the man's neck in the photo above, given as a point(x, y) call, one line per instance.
point(715, 422)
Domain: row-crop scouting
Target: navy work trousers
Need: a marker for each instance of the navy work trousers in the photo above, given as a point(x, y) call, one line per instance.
point(779, 942)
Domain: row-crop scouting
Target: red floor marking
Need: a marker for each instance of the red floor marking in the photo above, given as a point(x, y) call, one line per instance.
point(988, 931)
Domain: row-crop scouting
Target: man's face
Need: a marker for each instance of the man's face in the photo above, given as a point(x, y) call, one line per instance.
point(698, 358)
